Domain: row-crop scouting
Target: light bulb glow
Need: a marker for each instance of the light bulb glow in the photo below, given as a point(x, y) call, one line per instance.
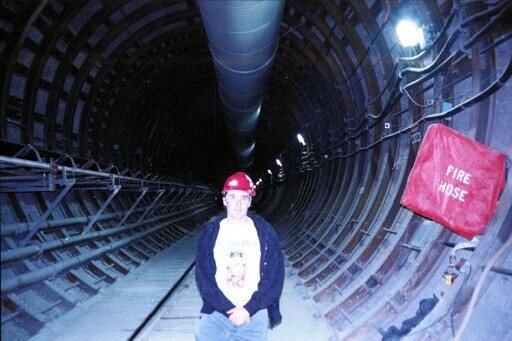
point(301, 139)
point(406, 31)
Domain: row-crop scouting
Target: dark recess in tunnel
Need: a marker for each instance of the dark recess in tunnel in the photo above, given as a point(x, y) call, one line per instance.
point(114, 146)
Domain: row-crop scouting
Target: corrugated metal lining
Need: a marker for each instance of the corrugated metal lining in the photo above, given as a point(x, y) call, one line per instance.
point(243, 38)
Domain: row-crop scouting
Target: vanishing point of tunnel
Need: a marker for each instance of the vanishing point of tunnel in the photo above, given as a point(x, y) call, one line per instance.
point(383, 164)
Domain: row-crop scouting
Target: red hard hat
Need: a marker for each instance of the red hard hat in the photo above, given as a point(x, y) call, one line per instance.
point(239, 181)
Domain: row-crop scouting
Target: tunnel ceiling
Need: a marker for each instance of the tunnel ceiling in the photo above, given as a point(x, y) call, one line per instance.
point(131, 83)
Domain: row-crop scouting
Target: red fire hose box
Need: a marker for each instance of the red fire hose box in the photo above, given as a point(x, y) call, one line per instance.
point(455, 181)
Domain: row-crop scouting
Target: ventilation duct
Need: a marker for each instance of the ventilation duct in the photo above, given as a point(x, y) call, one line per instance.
point(243, 38)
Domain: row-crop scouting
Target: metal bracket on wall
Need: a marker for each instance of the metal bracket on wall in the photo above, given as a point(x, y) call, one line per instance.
point(31, 183)
point(144, 191)
point(53, 206)
point(116, 189)
point(182, 194)
point(152, 204)
point(179, 197)
point(164, 199)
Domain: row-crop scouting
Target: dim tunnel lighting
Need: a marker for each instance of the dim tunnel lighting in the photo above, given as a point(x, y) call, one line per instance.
point(409, 33)
point(279, 163)
point(301, 139)
point(269, 171)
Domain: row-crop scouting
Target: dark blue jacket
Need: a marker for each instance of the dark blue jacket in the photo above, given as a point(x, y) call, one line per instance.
point(271, 272)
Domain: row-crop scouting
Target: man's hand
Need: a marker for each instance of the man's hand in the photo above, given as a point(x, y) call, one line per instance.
point(239, 316)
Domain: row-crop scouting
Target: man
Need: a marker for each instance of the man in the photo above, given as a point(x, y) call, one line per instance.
point(239, 270)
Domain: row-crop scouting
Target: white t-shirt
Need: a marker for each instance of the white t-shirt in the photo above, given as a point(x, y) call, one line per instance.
point(237, 256)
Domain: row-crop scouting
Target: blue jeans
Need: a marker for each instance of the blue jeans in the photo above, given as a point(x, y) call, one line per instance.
point(216, 327)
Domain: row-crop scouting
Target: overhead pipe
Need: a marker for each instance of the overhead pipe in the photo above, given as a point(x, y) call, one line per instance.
point(243, 38)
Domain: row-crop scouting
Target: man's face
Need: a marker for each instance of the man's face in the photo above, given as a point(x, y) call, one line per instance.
point(237, 204)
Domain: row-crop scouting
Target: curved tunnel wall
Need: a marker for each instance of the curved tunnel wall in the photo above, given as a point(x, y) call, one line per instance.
point(126, 91)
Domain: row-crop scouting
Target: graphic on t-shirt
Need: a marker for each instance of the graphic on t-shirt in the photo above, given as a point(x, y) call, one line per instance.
point(236, 269)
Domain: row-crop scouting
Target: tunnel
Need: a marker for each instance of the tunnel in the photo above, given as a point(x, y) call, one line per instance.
point(117, 134)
